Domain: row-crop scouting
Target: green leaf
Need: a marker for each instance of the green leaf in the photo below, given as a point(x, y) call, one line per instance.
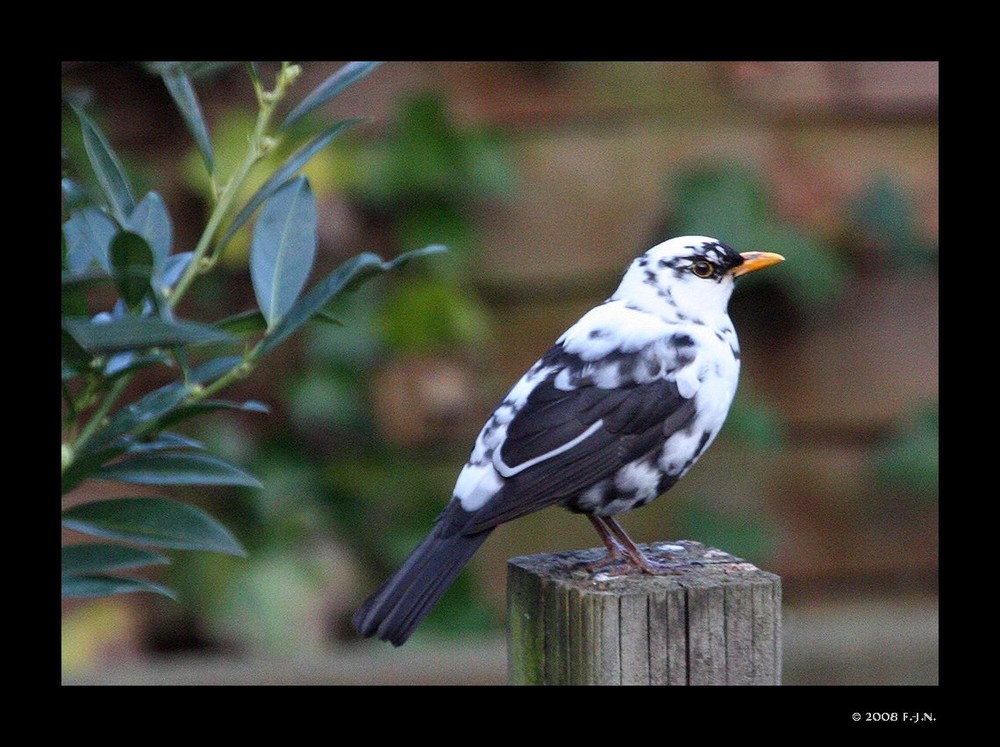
point(283, 248)
point(166, 440)
point(191, 68)
point(87, 462)
point(107, 168)
point(406, 257)
point(212, 405)
point(152, 406)
point(172, 269)
point(71, 282)
point(156, 522)
point(327, 318)
point(151, 220)
point(73, 300)
point(123, 363)
point(75, 197)
point(88, 237)
point(73, 355)
point(244, 323)
point(346, 76)
point(138, 333)
point(349, 274)
point(132, 266)
point(180, 88)
point(76, 587)
point(361, 266)
point(176, 468)
point(108, 442)
point(94, 557)
point(69, 372)
point(114, 440)
point(284, 172)
point(213, 369)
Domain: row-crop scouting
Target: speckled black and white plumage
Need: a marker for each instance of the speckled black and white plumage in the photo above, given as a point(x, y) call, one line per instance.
point(608, 419)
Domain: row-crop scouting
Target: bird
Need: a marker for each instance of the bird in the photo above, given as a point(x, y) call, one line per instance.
point(609, 418)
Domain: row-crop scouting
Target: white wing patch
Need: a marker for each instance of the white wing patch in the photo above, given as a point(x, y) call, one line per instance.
point(506, 471)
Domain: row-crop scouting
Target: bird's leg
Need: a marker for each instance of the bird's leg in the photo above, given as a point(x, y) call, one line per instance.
point(614, 534)
point(615, 554)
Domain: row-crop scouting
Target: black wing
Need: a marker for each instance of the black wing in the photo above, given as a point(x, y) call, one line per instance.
point(633, 420)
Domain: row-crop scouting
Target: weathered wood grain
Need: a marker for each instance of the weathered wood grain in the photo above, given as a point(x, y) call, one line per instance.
point(717, 621)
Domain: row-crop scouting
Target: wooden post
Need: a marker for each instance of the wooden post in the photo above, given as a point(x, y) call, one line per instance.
point(717, 622)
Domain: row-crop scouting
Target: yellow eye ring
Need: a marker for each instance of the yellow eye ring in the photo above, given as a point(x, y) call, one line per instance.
point(703, 268)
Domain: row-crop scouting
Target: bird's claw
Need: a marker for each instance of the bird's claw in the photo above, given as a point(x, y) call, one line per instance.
point(623, 565)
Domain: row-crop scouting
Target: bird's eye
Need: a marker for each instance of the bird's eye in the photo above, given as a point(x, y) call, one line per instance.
point(703, 269)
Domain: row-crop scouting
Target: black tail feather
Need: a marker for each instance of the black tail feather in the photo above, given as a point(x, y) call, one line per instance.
point(393, 612)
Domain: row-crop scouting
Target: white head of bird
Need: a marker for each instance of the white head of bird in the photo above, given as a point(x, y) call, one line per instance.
point(688, 277)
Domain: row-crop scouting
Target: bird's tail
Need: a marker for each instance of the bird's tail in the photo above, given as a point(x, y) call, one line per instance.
point(393, 612)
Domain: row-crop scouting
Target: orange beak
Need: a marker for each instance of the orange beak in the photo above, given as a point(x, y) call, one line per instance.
point(756, 261)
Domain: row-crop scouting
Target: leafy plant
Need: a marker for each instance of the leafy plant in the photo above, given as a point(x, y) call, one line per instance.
point(121, 248)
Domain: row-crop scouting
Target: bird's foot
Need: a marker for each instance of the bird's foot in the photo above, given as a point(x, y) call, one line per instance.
point(624, 556)
point(606, 563)
point(624, 564)
point(657, 567)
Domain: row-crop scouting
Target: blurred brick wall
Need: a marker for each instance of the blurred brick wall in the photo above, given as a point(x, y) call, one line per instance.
point(594, 145)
